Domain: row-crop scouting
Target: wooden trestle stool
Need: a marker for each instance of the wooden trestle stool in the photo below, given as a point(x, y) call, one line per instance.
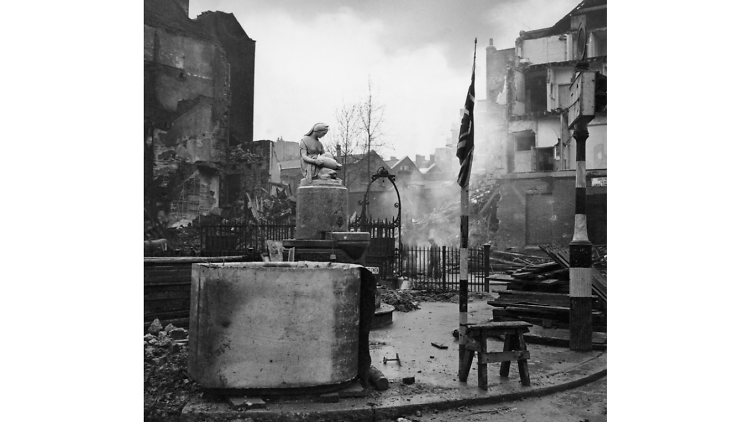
point(514, 349)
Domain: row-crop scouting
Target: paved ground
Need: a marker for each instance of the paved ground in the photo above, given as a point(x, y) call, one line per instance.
point(552, 370)
point(586, 403)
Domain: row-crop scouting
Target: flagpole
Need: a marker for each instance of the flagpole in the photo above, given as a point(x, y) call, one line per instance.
point(463, 281)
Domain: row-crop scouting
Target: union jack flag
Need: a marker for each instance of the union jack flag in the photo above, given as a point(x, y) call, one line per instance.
point(465, 148)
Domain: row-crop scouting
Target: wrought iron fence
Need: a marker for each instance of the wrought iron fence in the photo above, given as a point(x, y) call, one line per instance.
point(221, 240)
point(383, 249)
point(423, 269)
point(438, 270)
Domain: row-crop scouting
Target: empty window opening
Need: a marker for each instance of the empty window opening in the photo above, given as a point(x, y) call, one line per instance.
point(545, 159)
point(525, 140)
point(536, 92)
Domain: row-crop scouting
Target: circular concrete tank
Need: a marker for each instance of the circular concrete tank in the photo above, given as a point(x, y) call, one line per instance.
point(281, 325)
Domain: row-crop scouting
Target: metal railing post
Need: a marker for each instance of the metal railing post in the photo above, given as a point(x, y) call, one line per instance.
point(445, 287)
point(486, 267)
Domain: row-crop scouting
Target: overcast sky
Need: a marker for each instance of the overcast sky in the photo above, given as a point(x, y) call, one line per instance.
point(311, 56)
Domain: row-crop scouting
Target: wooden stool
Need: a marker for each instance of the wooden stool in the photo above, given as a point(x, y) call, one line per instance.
point(514, 349)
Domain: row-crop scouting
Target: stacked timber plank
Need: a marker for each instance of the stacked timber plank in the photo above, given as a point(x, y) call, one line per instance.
point(166, 287)
point(535, 288)
point(528, 272)
point(560, 256)
point(550, 310)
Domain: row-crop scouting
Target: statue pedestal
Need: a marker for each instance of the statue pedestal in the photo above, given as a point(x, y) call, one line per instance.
point(322, 206)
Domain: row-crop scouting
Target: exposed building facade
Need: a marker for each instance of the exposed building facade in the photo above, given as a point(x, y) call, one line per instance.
point(526, 122)
point(198, 105)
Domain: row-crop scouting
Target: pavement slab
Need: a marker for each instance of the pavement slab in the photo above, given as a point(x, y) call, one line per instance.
point(552, 369)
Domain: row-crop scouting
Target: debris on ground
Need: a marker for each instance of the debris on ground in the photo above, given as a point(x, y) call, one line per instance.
point(166, 385)
point(452, 297)
point(402, 300)
point(537, 291)
point(155, 327)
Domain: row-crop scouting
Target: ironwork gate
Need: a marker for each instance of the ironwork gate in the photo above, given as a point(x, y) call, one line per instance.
point(383, 252)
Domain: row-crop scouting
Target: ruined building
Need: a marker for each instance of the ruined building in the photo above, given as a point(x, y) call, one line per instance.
point(525, 123)
point(198, 108)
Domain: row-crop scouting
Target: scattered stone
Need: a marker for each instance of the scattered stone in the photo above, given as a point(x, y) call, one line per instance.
point(158, 361)
point(329, 398)
point(155, 327)
point(403, 420)
point(246, 403)
point(152, 342)
point(169, 328)
point(408, 380)
point(175, 348)
point(148, 337)
point(163, 340)
point(178, 334)
point(418, 414)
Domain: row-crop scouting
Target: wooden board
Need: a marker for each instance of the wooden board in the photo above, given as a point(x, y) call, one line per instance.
point(500, 277)
point(561, 256)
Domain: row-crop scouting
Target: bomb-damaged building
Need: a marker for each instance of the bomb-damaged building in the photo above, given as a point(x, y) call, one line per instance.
point(198, 108)
point(524, 127)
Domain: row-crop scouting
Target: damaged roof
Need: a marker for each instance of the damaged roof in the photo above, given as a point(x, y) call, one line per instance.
point(563, 25)
point(168, 14)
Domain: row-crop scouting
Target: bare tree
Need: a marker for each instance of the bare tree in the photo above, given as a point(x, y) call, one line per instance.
point(370, 115)
point(347, 138)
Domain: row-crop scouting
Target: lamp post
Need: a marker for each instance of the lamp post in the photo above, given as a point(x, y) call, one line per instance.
point(581, 112)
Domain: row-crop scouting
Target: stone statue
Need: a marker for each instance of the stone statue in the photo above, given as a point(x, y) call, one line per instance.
point(315, 163)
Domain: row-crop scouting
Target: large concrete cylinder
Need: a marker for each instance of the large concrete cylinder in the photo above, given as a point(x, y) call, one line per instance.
point(273, 325)
point(321, 208)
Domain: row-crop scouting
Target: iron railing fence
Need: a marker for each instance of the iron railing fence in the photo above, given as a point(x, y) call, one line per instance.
point(438, 270)
point(229, 239)
point(383, 249)
point(411, 262)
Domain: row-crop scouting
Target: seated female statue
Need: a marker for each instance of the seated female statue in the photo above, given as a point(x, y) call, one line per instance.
point(315, 162)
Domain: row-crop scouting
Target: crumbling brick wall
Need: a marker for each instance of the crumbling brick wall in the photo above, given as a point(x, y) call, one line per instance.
point(193, 111)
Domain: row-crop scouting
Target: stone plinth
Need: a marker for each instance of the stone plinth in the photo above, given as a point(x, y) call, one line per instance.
point(321, 207)
point(276, 325)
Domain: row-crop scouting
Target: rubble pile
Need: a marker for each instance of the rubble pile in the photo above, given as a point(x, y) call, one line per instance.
point(166, 385)
point(187, 238)
point(535, 289)
point(409, 300)
point(402, 300)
